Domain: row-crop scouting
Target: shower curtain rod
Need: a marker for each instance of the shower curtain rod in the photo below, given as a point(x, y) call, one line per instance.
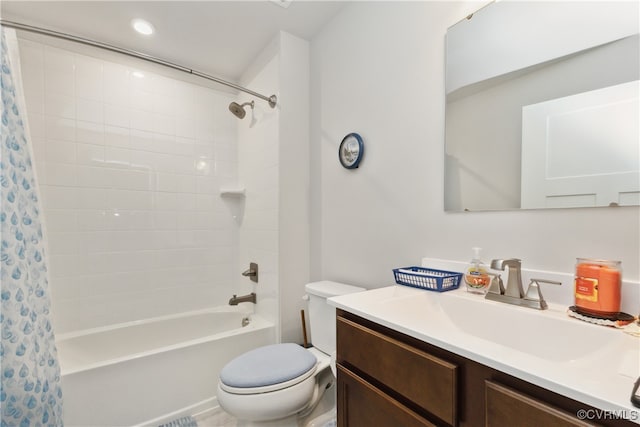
point(272, 100)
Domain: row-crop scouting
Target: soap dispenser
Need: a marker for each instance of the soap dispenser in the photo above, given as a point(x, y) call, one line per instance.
point(476, 277)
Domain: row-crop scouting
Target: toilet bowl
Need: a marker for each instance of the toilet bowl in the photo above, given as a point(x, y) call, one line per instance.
point(276, 384)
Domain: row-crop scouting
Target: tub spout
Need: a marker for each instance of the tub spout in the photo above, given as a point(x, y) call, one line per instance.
point(245, 298)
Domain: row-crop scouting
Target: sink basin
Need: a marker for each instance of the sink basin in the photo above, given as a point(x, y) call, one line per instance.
point(545, 334)
point(549, 334)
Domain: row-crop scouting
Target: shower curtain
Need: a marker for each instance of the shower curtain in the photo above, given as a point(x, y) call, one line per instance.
point(30, 394)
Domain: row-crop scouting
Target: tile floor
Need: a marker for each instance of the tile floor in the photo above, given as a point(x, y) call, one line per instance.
point(217, 419)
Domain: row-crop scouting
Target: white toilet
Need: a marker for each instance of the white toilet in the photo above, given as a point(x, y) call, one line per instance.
point(274, 385)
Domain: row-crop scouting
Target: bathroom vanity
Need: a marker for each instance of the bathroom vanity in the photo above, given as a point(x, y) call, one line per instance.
point(402, 361)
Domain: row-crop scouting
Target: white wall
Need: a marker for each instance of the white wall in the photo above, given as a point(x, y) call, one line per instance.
point(258, 172)
point(378, 69)
point(504, 38)
point(294, 183)
point(274, 168)
point(130, 159)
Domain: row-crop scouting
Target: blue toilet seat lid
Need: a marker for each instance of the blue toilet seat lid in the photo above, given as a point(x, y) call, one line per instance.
point(268, 365)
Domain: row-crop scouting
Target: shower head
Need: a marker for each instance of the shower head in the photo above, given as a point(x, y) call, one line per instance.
point(238, 109)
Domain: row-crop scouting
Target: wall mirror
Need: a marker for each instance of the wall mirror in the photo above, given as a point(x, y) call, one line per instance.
point(542, 106)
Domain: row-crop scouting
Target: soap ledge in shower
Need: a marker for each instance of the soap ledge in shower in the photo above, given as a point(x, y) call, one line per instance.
point(232, 192)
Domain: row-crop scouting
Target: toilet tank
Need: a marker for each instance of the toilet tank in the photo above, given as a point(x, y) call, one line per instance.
point(322, 316)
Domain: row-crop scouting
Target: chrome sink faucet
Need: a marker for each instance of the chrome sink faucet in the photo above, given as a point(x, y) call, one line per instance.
point(514, 293)
point(514, 276)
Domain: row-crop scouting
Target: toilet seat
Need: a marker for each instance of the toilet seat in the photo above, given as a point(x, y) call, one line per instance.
point(267, 369)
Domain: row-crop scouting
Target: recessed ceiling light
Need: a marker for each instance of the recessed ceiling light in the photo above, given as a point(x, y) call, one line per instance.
point(142, 26)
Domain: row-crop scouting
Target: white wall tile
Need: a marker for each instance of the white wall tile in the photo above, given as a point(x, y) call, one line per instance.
point(61, 220)
point(141, 80)
point(94, 177)
point(91, 197)
point(60, 151)
point(186, 127)
point(63, 243)
point(164, 85)
point(142, 120)
point(90, 133)
point(205, 150)
point(34, 93)
point(207, 185)
point(165, 220)
point(89, 79)
point(60, 128)
point(60, 105)
point(164, 124)
point(62, 265)
point(59, 197)
point(141, 140)
point(59, 81)
point(117, 136)
point(31, 54)
point(163, 143)
point(37, 124)
point(117, 115)
point(164, 104)
point(116, 84)
point(142, 100)
point(184, 164)
point(41, 172)
point(116, 157)
point(130, 200)
point(61, 174)
point(93, 220)
point(56, 59)
point(117, 152)
point(89, 110)
point(186, 202)
point(89, 154)
point(183, 146)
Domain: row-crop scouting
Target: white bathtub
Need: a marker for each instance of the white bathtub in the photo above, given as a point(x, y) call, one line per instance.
point(148, 372)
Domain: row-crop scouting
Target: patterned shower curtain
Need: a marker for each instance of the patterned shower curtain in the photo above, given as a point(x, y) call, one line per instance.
point(29, 370)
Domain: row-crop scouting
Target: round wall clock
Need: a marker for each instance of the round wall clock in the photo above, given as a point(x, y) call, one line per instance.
point(351, 151)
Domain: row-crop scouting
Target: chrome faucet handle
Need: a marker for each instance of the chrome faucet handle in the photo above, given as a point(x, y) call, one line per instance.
point(497, 286)
point(252, 272)
point(535, 294)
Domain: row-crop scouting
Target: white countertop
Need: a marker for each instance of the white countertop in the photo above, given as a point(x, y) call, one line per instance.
point(593, 364)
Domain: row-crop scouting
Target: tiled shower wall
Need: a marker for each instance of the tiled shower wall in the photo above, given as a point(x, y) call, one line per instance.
point(130, 163)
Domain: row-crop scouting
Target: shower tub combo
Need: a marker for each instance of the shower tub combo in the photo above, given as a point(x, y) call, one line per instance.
point(151, 371)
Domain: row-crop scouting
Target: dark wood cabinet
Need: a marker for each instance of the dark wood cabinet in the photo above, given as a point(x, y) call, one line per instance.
point(364, 405)
point(503, 405)
point(427, 381)
point(389, 379)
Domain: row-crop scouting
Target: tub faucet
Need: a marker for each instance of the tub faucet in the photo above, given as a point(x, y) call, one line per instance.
point(252, 272)
point(245, 298)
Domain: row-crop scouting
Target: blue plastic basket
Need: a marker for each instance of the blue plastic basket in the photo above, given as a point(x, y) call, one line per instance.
point(427, 278)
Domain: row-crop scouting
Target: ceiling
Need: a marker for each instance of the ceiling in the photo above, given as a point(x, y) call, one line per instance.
point(220, 38)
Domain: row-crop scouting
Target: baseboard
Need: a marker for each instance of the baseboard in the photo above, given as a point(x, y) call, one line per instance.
point(199, 410)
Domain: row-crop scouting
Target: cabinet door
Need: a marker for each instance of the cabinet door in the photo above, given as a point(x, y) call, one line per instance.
point(360, 404)
point(505, 406)
point(426, 380)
